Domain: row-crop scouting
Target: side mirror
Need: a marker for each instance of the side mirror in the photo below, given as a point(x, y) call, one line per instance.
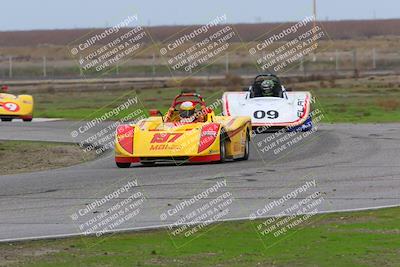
point(155, 113)
point(4, 88)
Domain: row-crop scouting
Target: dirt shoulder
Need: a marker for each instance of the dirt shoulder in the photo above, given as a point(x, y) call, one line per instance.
point(29, 156)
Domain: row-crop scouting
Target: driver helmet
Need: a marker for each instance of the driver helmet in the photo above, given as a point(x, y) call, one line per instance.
point(267, 87)
point(187, 109)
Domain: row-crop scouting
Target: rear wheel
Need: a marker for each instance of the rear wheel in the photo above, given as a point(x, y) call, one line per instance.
point(246, 147)
point(222, 148)
point(28, 119)
point(6, 119)
point(123, 164)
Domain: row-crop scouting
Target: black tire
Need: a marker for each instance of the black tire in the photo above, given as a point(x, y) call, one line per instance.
point(6, 119)
point(222, 148)
point(123, 165)
point(148, 164)
point(30, 119)
point(246, 147)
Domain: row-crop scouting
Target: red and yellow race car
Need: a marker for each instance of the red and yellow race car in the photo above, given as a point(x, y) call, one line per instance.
point(15, 107)
point(189, 132)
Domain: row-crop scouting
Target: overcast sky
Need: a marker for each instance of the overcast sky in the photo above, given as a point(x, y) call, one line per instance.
point(65, 14)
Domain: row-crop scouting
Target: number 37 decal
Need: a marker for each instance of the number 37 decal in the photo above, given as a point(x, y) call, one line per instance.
point(270, 114)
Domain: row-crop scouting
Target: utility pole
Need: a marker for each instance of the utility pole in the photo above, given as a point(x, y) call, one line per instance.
point(315, 12)
point(314, 24)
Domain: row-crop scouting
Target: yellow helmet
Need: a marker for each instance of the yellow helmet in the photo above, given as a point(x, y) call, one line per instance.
point(186, 109)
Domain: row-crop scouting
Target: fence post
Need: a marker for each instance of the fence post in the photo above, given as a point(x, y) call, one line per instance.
point(153, 65)
point(10, 67)
point(374, 58)
point(227, 63)
point(80, 67)
point(337, 61)
point(355, 63)
point(44, 66)
point(301, 67)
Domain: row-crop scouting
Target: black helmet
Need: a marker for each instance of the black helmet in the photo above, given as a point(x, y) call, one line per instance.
point(267, 87)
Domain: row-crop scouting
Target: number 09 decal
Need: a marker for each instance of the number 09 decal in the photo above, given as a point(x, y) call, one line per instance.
point(270, 114)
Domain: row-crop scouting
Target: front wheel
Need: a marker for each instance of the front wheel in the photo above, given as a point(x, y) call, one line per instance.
point(123, 165)
point(6, 119)
point(27, 119)
point(222, 149)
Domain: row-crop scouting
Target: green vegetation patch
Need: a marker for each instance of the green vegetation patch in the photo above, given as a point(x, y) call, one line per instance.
point(367, 238)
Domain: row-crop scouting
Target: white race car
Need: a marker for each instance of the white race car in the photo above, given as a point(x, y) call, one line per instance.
point(270, 106)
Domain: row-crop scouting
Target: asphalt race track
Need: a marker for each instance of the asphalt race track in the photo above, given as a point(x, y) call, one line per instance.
point(354, 166)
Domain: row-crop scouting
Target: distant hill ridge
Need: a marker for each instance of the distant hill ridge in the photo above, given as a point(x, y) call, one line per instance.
point(344, 29)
